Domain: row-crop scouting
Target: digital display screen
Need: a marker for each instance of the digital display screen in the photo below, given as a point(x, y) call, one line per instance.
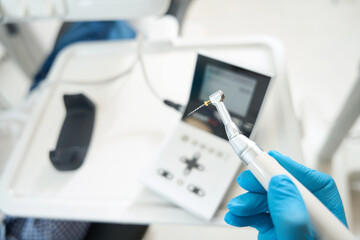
point(236, 86)
point(244, 94)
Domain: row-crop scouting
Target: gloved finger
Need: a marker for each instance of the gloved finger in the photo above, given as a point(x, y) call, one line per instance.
point(268, 235)
point(262, 222)
point(321, 184)
point(287, 209)
point(247, 181)
point(248, 204)
point(311, 179)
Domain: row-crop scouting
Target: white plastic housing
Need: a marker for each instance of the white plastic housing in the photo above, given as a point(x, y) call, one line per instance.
point(80, 10)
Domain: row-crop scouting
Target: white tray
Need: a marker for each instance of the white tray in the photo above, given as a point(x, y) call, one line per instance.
point(129, 128)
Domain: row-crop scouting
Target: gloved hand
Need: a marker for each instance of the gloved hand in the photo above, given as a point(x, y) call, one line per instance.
point(280, 213)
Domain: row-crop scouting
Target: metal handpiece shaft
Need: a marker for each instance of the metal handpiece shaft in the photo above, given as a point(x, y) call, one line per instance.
point(224, 114)
point(217, 99)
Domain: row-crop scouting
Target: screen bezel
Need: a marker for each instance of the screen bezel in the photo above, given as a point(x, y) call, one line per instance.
point(263, 82)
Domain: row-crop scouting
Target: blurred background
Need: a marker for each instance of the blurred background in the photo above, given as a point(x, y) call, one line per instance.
point(322, 48)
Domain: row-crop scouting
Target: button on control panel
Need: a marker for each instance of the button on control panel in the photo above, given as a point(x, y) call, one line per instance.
point(192, 163)
point(165, 174)
point(196, 190)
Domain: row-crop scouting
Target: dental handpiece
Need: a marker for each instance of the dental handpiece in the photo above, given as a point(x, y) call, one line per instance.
point(264, 167)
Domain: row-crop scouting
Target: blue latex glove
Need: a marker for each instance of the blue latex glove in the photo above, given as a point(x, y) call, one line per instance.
point(280, 213)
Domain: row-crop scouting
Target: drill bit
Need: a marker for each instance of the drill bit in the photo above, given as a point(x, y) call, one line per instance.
point(206, 103)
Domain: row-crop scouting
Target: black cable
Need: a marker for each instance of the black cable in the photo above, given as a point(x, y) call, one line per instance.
point(174, 105)
point(167, 102)
point(139, 59)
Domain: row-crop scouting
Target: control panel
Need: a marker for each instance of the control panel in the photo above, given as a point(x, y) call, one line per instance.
point(194, 170)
